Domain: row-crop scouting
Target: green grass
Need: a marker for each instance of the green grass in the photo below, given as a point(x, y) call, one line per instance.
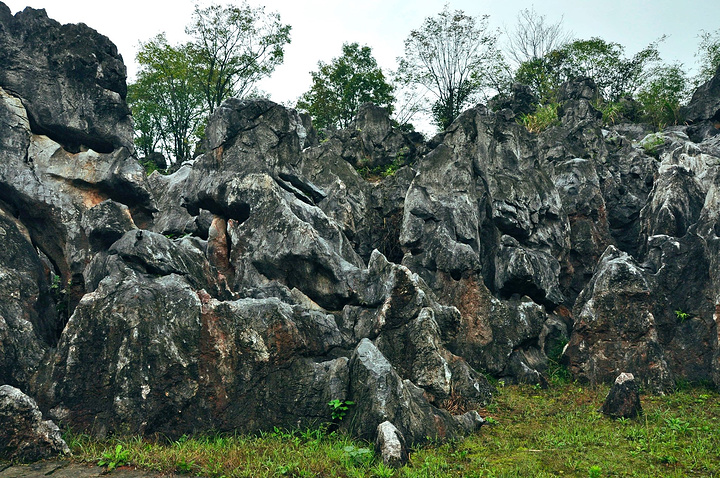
point(534, 433)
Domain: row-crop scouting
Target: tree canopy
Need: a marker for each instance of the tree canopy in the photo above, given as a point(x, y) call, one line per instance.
point(455, 57)
point(615, 75)
point(177, 86)
point(534, 37)
point(234, 47)
point(663, 94)
point(450, 62)
point(709, 55)
point(166, 99)
point(341, 86)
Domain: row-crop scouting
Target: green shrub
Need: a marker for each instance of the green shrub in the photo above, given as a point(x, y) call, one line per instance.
point(612, 112)
point(662, 96)
point(652, 143)
point(382, 171)
point(681, 316)
point(543, 118)
point(339, 408)
point(359, 456)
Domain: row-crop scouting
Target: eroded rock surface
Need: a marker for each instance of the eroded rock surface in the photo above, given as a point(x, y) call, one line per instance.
point(275, 273)
point(71, 80)
point(703, 111)
point(623, 400)
point(390, 445)
point(25, 436)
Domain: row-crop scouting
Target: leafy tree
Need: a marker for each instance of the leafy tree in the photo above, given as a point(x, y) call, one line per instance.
point(166, 99)
point(341, 86)
point(542, 75)
point(177, 86)
point(146, 117)
point(533, 37)
point(662, 96)
point(709, 55)
point(454, 56)
point(235, 46)
point(604, 62)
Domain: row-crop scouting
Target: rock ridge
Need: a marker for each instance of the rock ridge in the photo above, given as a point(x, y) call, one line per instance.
point(272, 274)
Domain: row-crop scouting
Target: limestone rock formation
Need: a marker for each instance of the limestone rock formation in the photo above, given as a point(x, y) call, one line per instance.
point(52, 113)
point(28, 319)
point(703, 111)
point(274, 273)
point(71, 80)
point(390, 444)
point(615, 328)
point(24, 435)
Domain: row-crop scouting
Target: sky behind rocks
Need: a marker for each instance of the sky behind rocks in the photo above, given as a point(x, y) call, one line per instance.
point(320, 27)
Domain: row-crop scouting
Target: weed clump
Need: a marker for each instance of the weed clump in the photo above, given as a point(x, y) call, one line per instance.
point(543, 118)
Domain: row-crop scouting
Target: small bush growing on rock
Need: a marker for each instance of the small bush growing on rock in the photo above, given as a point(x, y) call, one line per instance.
point(384, 170)
point(339, 408)
point(557, 371)
point(611, 112)
point(543, 118)
point(652, 143)
point(681, 316)
point(662, 96)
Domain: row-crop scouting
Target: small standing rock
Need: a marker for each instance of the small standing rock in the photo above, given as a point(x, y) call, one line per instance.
point(24, 436)
point(390, 444)
point(470, 421)
point(623, 401)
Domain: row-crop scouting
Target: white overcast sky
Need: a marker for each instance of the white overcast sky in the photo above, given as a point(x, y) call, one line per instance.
point(320, 27)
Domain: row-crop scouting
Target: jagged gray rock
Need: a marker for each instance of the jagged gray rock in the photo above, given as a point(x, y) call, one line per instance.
point(24, 435)
point(369, 211)
point(71, 80)
point(269, 276)
point(372, 142)
point(172, 217)
point(105, 223)
point(28, 318)
point(380, 394)
point(271, 266)
point(201, 352)
point(703, 111)
point(615, 329)
point(623, 400)
point(390, 445)
point(50, 190)
point(521, 100)
point(481, 183)
point(582, 198)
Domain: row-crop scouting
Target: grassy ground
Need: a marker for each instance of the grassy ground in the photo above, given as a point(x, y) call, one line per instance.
point(533, 433)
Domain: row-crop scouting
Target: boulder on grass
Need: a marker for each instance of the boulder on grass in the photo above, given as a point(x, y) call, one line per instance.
point(390, 445)
point(24, 435)
point(623, 401)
